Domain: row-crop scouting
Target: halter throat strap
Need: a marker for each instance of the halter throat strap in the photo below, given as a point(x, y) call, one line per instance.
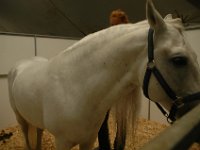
point(178, 102)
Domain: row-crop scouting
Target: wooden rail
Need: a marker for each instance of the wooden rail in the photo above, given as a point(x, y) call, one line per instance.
point(181, 135)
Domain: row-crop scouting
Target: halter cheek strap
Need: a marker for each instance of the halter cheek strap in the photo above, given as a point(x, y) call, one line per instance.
point(151, 68)
point(178, 102)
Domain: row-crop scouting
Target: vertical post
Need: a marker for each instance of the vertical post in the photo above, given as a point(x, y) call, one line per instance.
point(35, 44)
point(149, 110)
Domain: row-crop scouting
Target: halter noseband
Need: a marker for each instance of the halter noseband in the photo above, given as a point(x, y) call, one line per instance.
point(178, 102)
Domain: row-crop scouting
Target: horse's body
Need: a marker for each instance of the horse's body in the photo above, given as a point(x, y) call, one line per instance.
point(73, 91)
point(70, 94)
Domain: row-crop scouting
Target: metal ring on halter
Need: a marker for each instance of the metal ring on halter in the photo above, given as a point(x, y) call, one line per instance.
point(169, 120)
point(151, 64)
point(166, 115)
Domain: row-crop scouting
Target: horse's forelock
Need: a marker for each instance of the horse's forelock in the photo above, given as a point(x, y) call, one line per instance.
point(177, 23)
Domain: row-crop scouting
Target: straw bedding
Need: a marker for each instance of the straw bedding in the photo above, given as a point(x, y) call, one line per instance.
point(146, 131)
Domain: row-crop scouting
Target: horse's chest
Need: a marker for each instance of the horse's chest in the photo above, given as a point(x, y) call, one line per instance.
point(28, 100)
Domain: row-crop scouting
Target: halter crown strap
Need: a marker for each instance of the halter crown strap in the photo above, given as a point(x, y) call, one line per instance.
point(150, 45)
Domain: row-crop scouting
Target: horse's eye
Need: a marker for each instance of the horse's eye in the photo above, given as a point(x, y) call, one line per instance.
point(179, 61)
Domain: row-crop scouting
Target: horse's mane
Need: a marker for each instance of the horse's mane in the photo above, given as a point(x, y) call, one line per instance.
point(118, 31)
point(109, 33)
point(122, 29)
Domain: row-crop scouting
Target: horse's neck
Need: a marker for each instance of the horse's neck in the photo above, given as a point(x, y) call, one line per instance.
point(127, 49)
point(102, 69)
point(117, 48)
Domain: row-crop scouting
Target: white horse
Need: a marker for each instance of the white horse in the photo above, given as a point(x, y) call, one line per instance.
point(70, 94)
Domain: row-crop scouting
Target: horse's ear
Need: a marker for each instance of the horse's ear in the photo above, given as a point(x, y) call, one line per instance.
point(168, 17)
point(154, 18)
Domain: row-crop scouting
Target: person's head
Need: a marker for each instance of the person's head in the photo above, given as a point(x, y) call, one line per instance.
point(118, 17)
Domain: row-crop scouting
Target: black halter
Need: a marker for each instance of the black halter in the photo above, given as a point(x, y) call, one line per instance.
point(178, 102)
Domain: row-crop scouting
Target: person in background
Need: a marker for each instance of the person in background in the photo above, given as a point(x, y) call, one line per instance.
point(116, 17)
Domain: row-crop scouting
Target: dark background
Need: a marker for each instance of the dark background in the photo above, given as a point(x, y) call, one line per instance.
point(76, 18)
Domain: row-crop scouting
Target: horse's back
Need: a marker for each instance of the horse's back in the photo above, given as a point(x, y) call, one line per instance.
point(21, 82)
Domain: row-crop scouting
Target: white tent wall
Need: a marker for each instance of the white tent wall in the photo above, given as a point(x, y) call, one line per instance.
point(14, 48)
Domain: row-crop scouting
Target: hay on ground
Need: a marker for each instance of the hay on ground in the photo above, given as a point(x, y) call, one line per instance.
point(145, 132)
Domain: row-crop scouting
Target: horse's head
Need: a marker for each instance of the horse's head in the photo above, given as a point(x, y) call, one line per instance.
point(175, 60)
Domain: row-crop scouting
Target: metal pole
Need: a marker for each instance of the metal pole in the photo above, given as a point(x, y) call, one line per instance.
point(35, 45)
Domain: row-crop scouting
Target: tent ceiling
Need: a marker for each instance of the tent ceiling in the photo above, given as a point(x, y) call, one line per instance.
point(75, 18)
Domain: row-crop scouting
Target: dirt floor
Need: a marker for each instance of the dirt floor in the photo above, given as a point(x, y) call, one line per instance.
point(146, 131)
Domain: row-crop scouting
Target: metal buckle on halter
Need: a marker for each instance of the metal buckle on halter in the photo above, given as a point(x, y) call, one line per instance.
point(178, 102)
point(151, 64)
point(169, 120)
